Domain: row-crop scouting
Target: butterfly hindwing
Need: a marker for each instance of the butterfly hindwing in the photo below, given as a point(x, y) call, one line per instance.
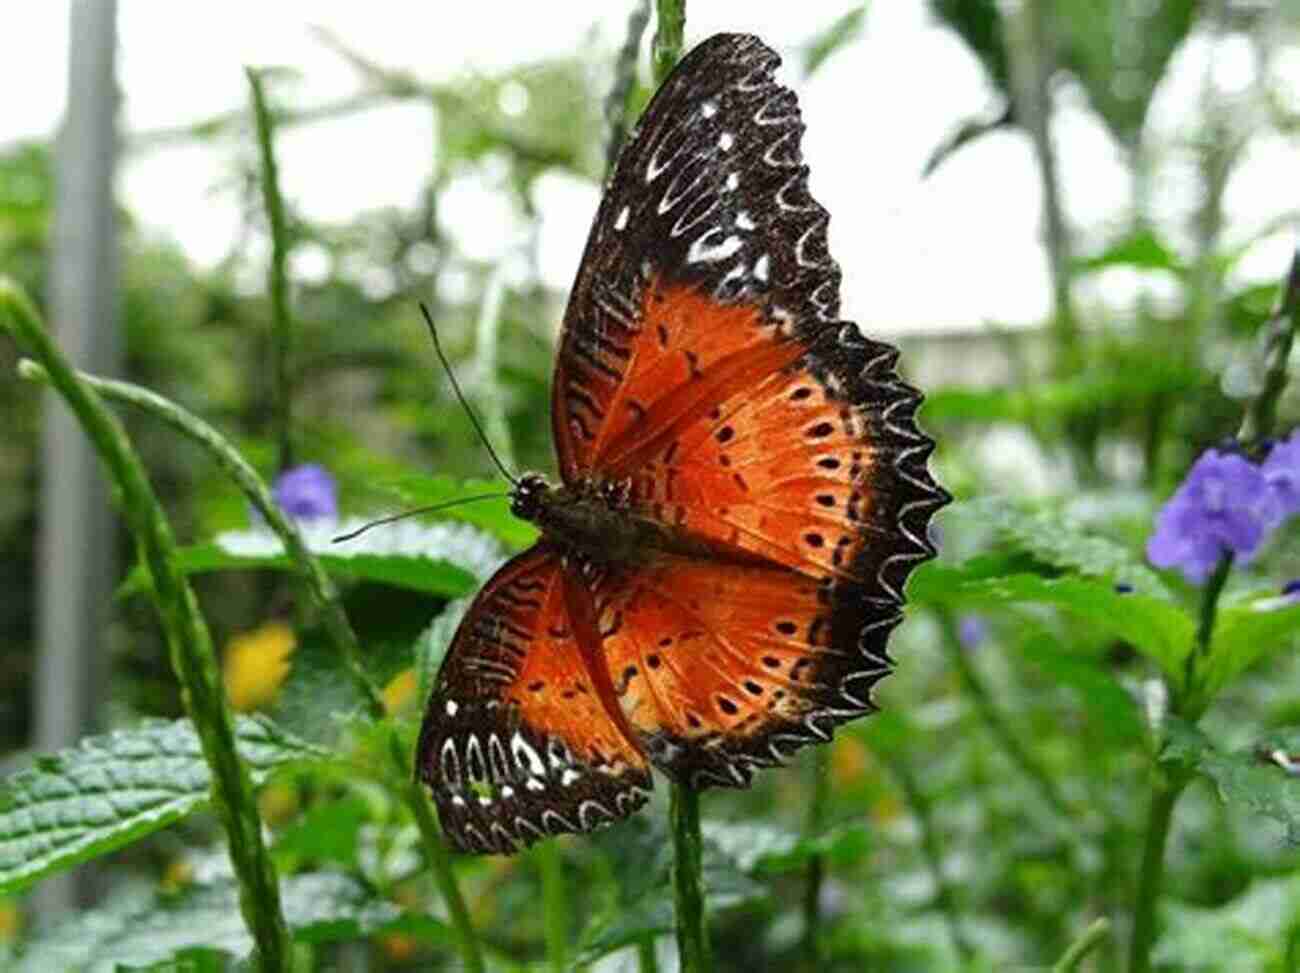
point(721, 668)
point(520, 739)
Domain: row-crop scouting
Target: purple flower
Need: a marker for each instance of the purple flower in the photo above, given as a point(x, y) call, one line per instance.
point(306, 492)
point(1282, 471)
point(1225, 505)
point(972, 630)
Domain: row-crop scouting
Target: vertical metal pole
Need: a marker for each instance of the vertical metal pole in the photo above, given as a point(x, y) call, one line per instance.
point(76, 560)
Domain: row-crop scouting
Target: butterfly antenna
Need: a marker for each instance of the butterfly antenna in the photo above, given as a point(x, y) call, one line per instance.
point(478, 426)
point(411, 513)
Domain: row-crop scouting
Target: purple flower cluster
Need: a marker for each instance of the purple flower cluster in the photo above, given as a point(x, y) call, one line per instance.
point(306, 492)
point(1227, 504)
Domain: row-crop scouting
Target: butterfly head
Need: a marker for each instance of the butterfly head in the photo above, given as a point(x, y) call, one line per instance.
point(528, 496)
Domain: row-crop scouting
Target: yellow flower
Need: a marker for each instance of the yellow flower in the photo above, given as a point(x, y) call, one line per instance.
point(399, 694)
point(11, 920)
point(256, 664)
point(848, 760)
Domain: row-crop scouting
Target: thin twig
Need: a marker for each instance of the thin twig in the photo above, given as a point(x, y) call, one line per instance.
point(670, 29)
point(919, 804)
point(188, 639)
point(616, 105)
point(324, 598)
point(688, 862)
point(1261, 416)
point(819, 772)
point(997, 724)
point(277, 274)
point(1092, 938)
point(546, 855)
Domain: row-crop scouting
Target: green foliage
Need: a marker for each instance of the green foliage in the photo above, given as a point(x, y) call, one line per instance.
point(1246, 779)
point(115, 789)
point(837, 34)
point(145, 928)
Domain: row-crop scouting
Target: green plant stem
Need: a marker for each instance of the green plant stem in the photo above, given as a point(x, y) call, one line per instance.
point(647, 960)
point(487, 340)
point(1092, 938)
point(550, 865)
point(688, 861)
point(418, 801)
point(919, 805)
point(819, 773)
point(320, 591)
point(277, 275)
point(997, 725)
point(1160, 814)
point(1261, 416)
point(188, 639)
point(616, 104)
point(670, 29)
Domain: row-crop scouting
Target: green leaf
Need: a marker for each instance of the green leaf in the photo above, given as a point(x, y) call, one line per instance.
point(493, 516)
point(326, 833)
point(140, 930)
point(979, 24)
point(765, 849)
point(1244, 777)
point(1249, 932)
point(112, 790)
point(1113, 713)
point(1062, 542)
point(432, 645)
point(1158, 629)
point(441, 559)
point(1141, 249)
point(1245, 634)
point(841, 32)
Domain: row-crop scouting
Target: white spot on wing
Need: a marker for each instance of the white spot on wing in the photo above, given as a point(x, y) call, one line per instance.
point(760, 268)
point(703, 252)
point(743, 221)
point(568, 777)
point(708, 109)
point(733, 181)
point(726, 140)
point(451, 707)
point(620, 221)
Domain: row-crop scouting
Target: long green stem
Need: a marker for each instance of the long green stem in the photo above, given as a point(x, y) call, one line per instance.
point(919, 805)
point(819, 772)
point(670, 30)
point(551, 867)
point(993, 719)
point(1092, 938)
point(1261, 417)
point(688, 862)
point(616, 104)
point(188, 639)
point(318, 589)
point(277, 275)
point(418, 801)
point(1151, 877)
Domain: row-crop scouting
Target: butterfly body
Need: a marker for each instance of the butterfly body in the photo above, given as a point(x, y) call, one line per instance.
point(743, 493)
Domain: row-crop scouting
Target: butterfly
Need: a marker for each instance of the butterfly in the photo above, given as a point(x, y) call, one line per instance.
point(743, 493)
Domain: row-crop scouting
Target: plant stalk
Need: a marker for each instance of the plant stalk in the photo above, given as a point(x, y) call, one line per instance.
point(277, 274)
point(997, 725)
point(1092, 938)
point(616, 104)
point(551, 867)
point(188, 639)
point(319, 591)
point(819, 772)
point(688, 861)
point(670, 29)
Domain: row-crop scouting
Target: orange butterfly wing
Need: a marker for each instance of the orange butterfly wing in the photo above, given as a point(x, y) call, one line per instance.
point(704, 369)
point(721, 668)
point(522, 736)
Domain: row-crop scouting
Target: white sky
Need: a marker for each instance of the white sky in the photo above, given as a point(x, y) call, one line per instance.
point(956, 251)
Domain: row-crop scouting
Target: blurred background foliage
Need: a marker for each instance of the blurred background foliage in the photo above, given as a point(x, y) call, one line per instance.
point(997, 804)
